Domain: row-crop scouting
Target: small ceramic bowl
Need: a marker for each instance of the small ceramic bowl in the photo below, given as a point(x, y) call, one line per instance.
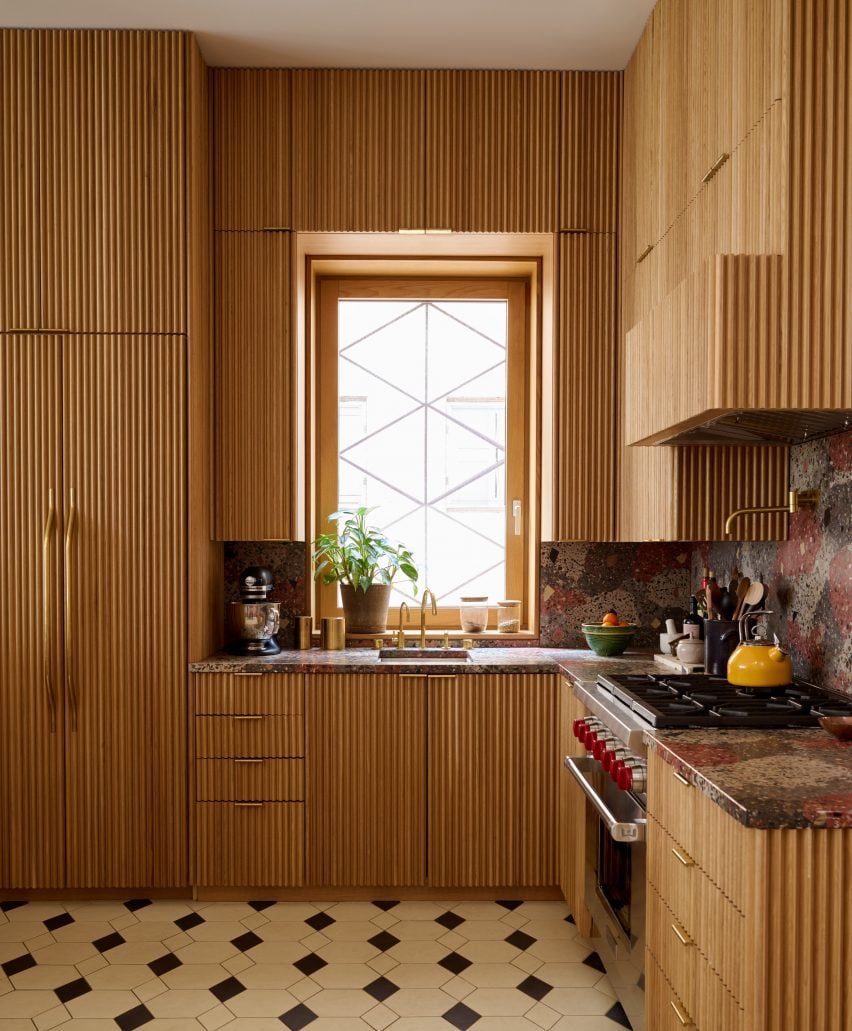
point(608, 640)
point(840, 726)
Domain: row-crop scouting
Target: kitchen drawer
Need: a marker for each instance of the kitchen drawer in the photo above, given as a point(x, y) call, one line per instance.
point(249, 737)
point(271, 694)
point(671, 801)
point(250, 780)
point(250, 844)
point(664, 1011)
point(700, 909)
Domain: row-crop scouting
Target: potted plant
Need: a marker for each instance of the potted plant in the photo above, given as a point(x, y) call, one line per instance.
point(364, 562)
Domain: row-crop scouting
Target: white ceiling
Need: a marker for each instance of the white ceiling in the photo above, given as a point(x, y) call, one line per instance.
point(581, 34)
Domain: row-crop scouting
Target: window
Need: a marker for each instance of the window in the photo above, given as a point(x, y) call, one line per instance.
point(421, 390)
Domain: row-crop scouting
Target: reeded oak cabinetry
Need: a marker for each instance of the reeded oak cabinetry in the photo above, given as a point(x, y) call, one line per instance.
point(572, 820)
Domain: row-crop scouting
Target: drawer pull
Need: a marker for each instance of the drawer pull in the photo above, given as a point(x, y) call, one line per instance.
point(681, 936)
point(248, 717)
point(681, 778)
point(714, 168)
point(248, 760)
point(683, 857)
point(644, 254)
point(684, 1018)
point(412, 676)
point(442, 676)
point(249, 805)
point(248, 674)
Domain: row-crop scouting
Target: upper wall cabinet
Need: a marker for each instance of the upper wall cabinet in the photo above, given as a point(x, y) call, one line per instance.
point(251, 148)
point(492, 151)
point(358, 150)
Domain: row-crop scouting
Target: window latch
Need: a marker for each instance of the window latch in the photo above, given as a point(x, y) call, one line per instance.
point(516, 515)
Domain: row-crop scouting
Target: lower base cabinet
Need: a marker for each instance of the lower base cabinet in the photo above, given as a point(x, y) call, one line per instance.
point(252, 844)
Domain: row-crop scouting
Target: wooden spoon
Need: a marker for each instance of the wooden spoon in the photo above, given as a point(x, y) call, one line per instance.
point(742, 590)
point(753, 596)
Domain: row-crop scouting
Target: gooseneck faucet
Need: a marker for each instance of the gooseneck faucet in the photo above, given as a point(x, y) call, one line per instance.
point(797, 499)
point(423, 615)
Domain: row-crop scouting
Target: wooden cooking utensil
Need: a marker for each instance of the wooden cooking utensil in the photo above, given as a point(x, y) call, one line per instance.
point(753, 596)
point(742, 590)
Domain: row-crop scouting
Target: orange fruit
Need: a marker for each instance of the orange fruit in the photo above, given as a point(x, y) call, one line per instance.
point(610, 619)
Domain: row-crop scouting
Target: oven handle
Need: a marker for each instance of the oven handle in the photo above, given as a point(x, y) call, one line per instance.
point(629, 833)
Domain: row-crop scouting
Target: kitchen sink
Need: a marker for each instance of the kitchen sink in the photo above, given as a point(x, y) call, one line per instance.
point(426, 656)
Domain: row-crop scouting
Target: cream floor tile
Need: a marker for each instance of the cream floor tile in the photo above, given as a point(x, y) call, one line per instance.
point(90, 1024)
point(194, 975)
point(20, 930)
point(41, 941)
point(153, 931)
point(96, 912)
point(177, 941)
point(584, 1023)
point(579, 1001)
point(304, 989)
point(35, 911)
point(102, 1004)
point(262, 1002)
point(345, 975)
point(24, 1025)
point(506, 1024)
point(416, 930)
point(173, 1024)
point(356, 911)
point(479, 910)
point(53, 1018)
point(216, 1018)
point(286, 931)
point(483, 930)
point(551, 929)
point(384, 920)
point(163, 909)
point(527, 962)
point(382, 963)
point(420, 1002)
point(534, 910)
point(452, 940)
point(458, 988)
point(44, 977)
point(278, 975)
point(379, 1017)
point(228, 911)
point(83, 931)
point(216, 931)
point(339, 1024)
point(342, 952)
point(202, 952)
point(542, 1015)
point(515, 919)
point(123, 976)
point(182, 1002)
point(488, 952)
point(255, 1024)
point(93, 963)
point(251, 923)
point(499, 1002)
point(603, 985)
point(125, 920)
point(136, 953)
point(341, 1002)
point(421, 1024)
point(418, 975)
point(568, 975)
point(274, 952)
point(351, 931)
point(9, 950)
point(419, 910)
point(65, 953)
point(290, 912)
point(417, 952)
point(494, 975)
point(27, 1003)
point(555, 950)
point(150, 990)
point(316, 940)
point(5, 985)
point(236, 964)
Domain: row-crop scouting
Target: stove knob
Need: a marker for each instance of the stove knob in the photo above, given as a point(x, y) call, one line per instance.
point(611, 756)
point(616, 768)
point(578, 727)
point(602, 746)
point(590, 738)
point(640, 778)
point(624, 778)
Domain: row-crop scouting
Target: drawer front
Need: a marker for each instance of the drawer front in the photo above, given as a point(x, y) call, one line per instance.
point(250, 780)
point(271, 694)
point(671, 801)
point(249, 737)
point(254, 844)
point(673, 948)
point(666, 1010)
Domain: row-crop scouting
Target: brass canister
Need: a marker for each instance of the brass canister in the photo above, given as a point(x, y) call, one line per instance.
point(333, 633)
point(304, 630)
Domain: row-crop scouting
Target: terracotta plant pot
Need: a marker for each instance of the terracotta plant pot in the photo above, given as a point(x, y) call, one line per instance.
point(366, 612)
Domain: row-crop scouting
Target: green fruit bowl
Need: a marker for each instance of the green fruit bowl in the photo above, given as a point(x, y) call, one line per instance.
point(608, 640)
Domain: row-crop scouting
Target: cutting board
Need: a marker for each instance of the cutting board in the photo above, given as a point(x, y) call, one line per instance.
point(672, 663)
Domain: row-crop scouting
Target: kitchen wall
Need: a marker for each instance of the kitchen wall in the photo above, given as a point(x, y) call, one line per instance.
point(810, 575)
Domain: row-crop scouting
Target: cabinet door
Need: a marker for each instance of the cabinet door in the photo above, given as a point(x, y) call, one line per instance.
point(31, 775)
point(366, 818)
point(19, 207)
point(125, 614)
point(493, 767)
point(571, 824)
point(112, 181)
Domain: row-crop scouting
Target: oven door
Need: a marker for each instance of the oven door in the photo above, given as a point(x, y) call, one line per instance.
point(615, 881)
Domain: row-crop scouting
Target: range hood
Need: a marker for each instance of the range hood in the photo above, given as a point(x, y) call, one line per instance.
point(773, 426)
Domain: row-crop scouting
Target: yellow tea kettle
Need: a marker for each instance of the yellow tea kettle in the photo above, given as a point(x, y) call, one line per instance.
point(756, 662)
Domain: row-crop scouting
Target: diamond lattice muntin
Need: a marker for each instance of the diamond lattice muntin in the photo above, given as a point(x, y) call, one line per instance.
point(422, 435)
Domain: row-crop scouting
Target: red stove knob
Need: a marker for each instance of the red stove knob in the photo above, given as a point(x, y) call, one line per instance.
point(610, 757)
point(601, 747)
point(590, 739)
point(624, 778)
point(616, 768)
point(579, 728)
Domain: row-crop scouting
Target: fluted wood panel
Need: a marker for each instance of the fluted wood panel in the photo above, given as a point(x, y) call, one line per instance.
point(125, 656)
point(250, 780)
point(358, 149)
point(493, 769)
point(32, 796)
point(20, 213)
point(256, 737)
point(366, 822)
point(276, 694)
point(590, 138)
point(112, 181)
point(259, 844)
point(585, 383)
point(252, 148)
point(820, 246)
point(571, 822)
point(255, 498)
point(492, 151)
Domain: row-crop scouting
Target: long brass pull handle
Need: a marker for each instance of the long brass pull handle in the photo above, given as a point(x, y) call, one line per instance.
point(248, 674)
point(249, 805)
point(684, 1018)
point(714, 168)
point(644, 254)
point(682, 857)
point(47, 628)
point(680, 777)
point(248, 760)
point(69, 607)
point(681, 937)
point(247, 717)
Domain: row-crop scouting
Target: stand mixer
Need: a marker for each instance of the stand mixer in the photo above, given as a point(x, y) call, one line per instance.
point(253, 621)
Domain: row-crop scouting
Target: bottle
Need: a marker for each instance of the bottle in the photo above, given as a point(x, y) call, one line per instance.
point(693, 624)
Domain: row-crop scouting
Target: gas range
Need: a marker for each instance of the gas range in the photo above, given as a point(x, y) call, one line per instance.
point(698, 700)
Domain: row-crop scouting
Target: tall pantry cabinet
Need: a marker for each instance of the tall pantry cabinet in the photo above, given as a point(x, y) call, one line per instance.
point(104, 500)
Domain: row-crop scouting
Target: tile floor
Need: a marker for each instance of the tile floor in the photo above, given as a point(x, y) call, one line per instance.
point(364, 966)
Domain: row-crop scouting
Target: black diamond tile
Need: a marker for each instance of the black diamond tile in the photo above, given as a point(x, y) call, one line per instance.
point(617, 1014)
point(298, 1017)
point(383, 941)
point(384, 904)
point(535, 988)
point(227, 989)
point(449, 920)
point(570, 919)
point(520, 940)
point(163, 964)
point(381, 989)
point(133, 905)
point(16, 965)
point(319, 921)
point(594, 961)
point(7, 907)
point(509, 903)
point(189, 921)
point(260, 906)
point(73, 990)
point(454, 962)
point(61, 920)
point(109, 941)
point(134, 1018)
point(246, 941)
point(310, 964)
point(461, 1016)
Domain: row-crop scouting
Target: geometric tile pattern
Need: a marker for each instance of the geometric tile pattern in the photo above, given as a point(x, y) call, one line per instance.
point(363, 966)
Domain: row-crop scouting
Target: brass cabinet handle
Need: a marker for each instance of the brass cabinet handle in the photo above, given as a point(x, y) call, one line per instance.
point(681, 778)
point(249, 805)
point(248, 760)
point(684, 1018)
point(714, 168)
point(412, 676)
point(47, 628)
point(683, 857)
point(442, 676)
point(242, 674)
point(248, 717)
point(69, 607)
point(644, 254)
point(683, 938)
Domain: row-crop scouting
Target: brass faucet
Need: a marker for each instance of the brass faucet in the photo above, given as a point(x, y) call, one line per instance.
point(797, 499)
point(400, 634)
point(423, 615)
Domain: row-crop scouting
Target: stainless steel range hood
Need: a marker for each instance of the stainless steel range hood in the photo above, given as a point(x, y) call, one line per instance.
point(773, 426)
